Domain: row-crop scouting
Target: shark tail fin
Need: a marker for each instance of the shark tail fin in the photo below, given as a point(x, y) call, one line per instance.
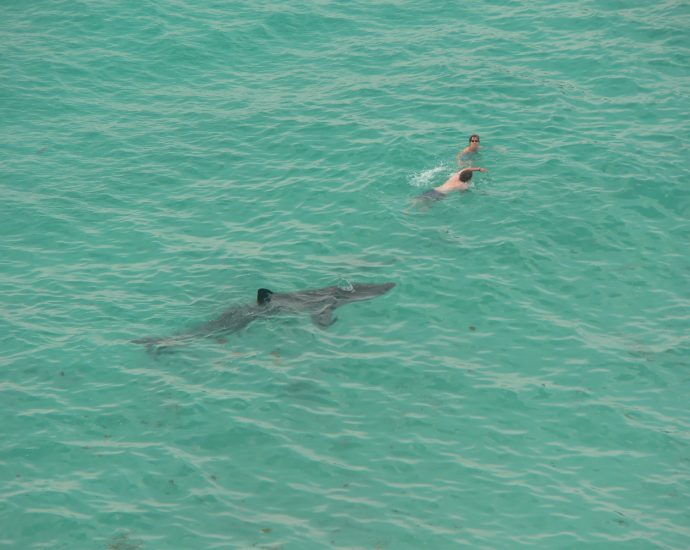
point(263, 296)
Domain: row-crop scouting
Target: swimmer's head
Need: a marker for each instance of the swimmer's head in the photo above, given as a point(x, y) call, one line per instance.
point(465, 175)
point(474, 138)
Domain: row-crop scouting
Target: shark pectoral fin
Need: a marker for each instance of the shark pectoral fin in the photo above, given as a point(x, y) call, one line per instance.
point(324, 318)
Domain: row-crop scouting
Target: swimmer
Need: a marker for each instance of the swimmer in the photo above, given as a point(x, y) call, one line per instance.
point(457, 182)
point(472, 148)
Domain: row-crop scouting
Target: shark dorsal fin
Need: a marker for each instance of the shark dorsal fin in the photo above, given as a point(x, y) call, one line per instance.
point(263, 296)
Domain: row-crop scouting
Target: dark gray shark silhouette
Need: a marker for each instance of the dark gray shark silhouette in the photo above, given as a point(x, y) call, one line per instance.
point(320, 303)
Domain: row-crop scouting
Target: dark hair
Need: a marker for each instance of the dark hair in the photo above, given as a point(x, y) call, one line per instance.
point(465, 175)
point(474, 136)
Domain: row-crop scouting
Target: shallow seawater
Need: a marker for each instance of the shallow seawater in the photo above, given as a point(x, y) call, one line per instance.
point(525, 384)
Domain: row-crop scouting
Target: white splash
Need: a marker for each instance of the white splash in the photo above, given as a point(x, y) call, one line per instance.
point(428, 178)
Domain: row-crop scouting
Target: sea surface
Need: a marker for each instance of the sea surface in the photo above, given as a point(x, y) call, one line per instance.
point(526, 384)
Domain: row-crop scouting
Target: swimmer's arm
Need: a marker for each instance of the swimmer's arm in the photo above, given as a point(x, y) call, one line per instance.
point(476, 169)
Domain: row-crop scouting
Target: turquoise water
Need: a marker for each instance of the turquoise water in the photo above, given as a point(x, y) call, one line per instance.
point(525, 384)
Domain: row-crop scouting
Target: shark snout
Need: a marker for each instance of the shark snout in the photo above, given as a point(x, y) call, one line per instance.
point(371, 290)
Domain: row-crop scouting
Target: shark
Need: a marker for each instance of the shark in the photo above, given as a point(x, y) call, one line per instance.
point(319, 303)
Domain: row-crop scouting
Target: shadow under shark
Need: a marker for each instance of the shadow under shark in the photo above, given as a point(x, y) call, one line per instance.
point(319, 303)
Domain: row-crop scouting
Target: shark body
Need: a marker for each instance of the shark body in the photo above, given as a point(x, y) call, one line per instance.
point(319, 303)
